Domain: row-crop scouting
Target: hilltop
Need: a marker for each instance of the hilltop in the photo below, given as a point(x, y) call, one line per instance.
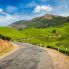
point(49, 30)
point(45, 21)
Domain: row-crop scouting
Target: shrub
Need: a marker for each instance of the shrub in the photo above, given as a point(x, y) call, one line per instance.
point(8, 38)
point(54, 31)
point(5, 37)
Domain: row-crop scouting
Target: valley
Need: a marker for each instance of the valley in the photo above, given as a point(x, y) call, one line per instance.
point(41, 43)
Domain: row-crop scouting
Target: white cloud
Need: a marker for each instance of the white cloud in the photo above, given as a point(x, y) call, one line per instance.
point(43, 0)
point(39, 8)
point(11, 9)
point(8, 18)
point(1, 10)
point(31, 4)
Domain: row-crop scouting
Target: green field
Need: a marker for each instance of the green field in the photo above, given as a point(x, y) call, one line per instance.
point(12, 33)
point(52, 37)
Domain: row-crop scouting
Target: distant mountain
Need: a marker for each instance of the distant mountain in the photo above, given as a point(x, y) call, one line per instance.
point(18, 24)
point(41, 22)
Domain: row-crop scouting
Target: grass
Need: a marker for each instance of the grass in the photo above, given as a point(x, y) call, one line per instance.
point(45, 37)
point(42, 36)
point(12, 33)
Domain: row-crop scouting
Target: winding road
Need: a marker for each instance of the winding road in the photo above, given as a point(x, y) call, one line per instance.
point(27, 57)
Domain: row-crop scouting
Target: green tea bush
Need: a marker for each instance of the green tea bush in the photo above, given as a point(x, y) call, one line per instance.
point(5, 37)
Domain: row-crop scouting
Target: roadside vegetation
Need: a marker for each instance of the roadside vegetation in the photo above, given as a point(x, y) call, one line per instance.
point(11, 33)
point(52, 37)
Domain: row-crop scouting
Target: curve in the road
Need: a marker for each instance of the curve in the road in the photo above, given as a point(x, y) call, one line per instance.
point(27, 57)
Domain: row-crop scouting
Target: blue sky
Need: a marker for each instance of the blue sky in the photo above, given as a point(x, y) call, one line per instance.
point(14, 10)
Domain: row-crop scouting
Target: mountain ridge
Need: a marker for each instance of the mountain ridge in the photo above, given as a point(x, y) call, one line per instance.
point(40, 22)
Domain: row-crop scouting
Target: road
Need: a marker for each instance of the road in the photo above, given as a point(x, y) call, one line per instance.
point(27, 57)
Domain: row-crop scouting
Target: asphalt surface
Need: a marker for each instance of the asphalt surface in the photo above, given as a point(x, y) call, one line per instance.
point(27, 57)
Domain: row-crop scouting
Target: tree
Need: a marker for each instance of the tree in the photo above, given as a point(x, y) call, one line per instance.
point(54, 31)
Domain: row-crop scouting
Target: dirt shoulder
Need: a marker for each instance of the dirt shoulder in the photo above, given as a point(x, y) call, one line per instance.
point(59, 60)
point(15, 48)
point(32, 57)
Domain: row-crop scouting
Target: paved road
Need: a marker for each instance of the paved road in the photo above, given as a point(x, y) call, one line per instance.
point(27, 57)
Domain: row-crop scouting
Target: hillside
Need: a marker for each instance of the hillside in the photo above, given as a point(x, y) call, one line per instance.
point(18, 24)
point(52, 37)
point(12, 33)
point(51, 31)
point(40, 22)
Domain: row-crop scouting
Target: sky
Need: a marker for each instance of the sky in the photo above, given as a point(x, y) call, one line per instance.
point(14, 10)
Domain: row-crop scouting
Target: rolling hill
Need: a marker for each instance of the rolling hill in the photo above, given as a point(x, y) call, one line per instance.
point(40, 22)
point(51, 31)
point(47, 37)
point(10, 32)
